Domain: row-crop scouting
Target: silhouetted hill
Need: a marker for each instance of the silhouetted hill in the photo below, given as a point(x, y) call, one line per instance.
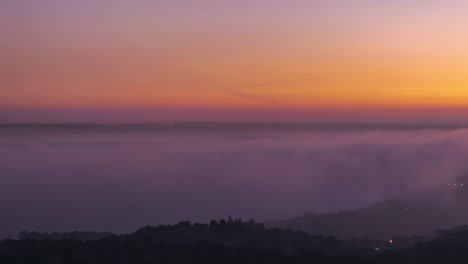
point(226, 241)
point(449, 246)
point(232, 242)
point(421, 214)
point(235, 233)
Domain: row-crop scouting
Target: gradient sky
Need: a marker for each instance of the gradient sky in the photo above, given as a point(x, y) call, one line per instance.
point(223, 59)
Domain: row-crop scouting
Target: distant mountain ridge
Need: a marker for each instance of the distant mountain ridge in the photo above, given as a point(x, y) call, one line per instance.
point(184, 127)
point(422, 214)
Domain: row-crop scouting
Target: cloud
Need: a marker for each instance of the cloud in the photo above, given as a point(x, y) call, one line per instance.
point(119, 182)
point(253, 97)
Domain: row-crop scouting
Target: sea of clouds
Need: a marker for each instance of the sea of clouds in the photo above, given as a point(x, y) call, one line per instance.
point(119, 182)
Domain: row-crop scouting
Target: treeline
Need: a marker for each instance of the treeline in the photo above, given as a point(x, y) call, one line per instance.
point(231, 241)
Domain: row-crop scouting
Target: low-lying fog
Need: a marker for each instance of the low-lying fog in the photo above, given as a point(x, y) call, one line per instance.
point(113, 181)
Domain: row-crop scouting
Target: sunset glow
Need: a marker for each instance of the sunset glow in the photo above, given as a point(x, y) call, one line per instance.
point(247, 56)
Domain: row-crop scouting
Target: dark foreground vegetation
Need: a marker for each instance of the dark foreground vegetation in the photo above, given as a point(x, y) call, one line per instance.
point(228, 241)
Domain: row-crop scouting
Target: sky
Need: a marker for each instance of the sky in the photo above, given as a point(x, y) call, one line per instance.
point(104, 61)
point(141, 60)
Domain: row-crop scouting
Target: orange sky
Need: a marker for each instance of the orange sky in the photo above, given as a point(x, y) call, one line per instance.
point(226, 55)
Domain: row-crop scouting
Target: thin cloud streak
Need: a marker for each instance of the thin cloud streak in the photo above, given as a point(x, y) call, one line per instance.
point(254, 97)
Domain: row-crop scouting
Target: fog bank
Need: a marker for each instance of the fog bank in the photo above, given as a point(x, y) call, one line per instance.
point(118, 181)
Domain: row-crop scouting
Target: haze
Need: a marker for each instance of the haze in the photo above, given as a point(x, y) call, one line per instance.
point(90, 178)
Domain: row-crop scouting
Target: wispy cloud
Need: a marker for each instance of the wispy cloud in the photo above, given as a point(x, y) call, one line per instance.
point(254, 97)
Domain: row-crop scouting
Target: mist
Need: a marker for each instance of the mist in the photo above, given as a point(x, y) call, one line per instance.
point(117, 181)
